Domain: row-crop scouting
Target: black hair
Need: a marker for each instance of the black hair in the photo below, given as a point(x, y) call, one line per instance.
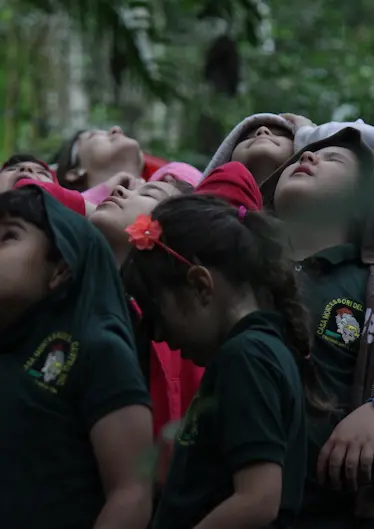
point(206, 230)
point(27, 204)
point(64, 161)
point(184, 187)
point(19, 158)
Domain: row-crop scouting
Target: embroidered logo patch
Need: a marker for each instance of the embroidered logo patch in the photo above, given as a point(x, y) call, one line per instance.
point(189, 429)
point(52, 361)
point(341, 322)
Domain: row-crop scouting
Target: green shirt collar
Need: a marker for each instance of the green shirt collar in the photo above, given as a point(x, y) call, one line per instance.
point(337, 254)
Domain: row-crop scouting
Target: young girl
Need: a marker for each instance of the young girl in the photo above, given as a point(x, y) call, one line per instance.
point(203, 273)
point(262, 142)
point(323, 195)
point(91, 157)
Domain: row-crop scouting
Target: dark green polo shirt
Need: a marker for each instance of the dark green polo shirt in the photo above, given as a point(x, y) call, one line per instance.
point(250, 408)
point(333, 284)
point(52, 396)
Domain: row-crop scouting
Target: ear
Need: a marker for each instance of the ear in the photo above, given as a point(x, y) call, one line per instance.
point(60, 274)
point(201, 281)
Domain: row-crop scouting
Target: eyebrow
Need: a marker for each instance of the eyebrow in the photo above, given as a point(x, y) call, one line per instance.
point(12, 224)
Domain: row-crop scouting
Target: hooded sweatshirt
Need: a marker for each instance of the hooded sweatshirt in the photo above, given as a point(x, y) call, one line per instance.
point(64, 365)
point(309, 134)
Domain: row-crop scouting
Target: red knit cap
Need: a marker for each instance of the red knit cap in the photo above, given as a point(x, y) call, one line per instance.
point(234, 183)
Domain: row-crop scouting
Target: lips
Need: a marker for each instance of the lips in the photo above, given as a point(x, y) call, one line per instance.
point(306, 169)
point(113, 200)
point(266, 138)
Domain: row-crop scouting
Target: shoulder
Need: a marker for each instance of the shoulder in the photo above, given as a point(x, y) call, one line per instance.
point(257, 344)
point(108, 343)
point(259, 354)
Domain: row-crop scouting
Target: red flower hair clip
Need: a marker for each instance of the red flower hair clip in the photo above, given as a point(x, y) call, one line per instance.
point(145, 233)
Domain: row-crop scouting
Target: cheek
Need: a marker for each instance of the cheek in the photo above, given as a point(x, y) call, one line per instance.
point(23, 273)
point(286, 149)
point(282, 182)
point(137, 206)
point(6, 182)
point(239, 152)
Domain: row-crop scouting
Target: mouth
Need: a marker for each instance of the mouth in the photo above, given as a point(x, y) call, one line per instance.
point(265, 139)
point(20, 176)
point(303, 169)
point(112, 200)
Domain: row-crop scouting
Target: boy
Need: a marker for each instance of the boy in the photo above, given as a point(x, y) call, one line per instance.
point(323, 194)
point(74, 407)
point(262, 143)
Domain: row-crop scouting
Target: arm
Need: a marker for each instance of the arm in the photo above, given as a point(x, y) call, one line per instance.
point(115, 407)
point(120, 440)
point(251, 395)
point(245, 509)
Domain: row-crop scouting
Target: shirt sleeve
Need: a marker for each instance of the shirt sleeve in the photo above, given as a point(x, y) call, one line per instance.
point(251, 399)
point(69, 198)
point(110, 378)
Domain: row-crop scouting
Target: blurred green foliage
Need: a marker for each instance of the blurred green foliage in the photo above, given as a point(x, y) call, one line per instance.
point(209, 63)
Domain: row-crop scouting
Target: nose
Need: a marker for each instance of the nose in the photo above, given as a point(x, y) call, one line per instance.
point(27, 169)
point(121, 192)
point(115, 130)
point(263, 131)
point(309, 157)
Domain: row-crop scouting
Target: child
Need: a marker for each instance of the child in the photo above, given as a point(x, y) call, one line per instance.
point(324, 195)
point(122, 207)
point(204, 271)
point(74, 402)
point(91, 157)
point(177, 171)
point(262, 142)
point(171, 380)
point(24, 169)
point(29, 166)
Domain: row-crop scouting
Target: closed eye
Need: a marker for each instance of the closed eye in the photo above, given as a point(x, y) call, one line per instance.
point(9, 235)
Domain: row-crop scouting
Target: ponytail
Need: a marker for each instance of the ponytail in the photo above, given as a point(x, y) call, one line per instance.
point(278, 277)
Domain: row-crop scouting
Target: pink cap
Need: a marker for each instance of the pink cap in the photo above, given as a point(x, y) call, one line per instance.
point(179, 171)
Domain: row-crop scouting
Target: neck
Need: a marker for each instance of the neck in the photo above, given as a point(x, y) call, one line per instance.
point(121, 249)
point(238, 310)
point(306, 240)
point(99, 176)
point(262, 169)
